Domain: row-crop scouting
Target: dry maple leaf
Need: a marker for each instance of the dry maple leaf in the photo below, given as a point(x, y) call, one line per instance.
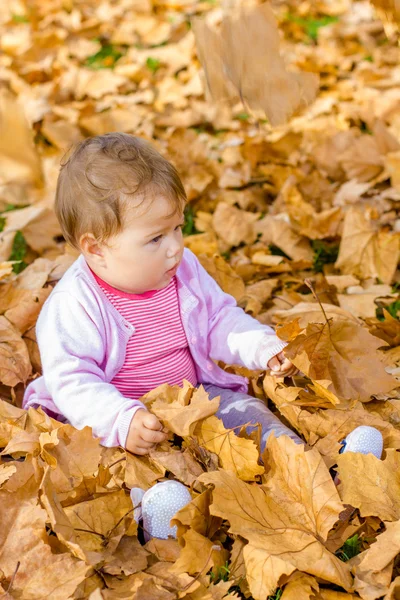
point(180, 416)
point(285, 521)
point(226, 277)
point(371, 485)
point(373, 568)
point(41, 573)
point(248, 33)
point(365, 251)
point(234, 225)
point(236, 454)
point(19, 158)
point(15, 366)
point(325, 428)
point(343, 353)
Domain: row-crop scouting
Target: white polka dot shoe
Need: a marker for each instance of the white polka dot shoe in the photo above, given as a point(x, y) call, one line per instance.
point(363, 439)
point(159, 504)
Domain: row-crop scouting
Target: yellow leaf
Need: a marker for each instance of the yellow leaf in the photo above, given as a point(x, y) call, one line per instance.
point(370, 484)
point(343, 353)
point(235, 454)
point(365, 250)
point(286, 520)
point(182, 419)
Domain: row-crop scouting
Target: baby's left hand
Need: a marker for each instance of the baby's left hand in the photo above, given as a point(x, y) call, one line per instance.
point(281, 366)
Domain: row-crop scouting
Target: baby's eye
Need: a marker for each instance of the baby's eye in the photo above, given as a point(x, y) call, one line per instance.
point(179, 226)
point(156, 239)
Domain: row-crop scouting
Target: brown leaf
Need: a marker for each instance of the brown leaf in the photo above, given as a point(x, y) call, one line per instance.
point(235, 454)
point(15, 366)
point(181, 463)
point(279, 233)
point(224, 275)
point(234, 225)
point(286, 520)
point(96, 519)
point(181, 418)
point(387, 330)
point(23, 537)
point(199, 554)
point(300, 587)
point(142, 471)
point(246, 34)
point(19, 158)
point(343, 353)
point(306, 220)
point(326, 428)
point(365, 250)
point(373, 567)
point(371, 485)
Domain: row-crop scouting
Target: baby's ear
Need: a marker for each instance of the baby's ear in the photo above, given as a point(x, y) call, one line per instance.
point(91, 248)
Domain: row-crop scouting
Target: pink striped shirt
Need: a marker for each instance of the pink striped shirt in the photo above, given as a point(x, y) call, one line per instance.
point(158, 352)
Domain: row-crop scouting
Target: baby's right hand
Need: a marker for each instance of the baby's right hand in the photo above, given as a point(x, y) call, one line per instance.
point(145, 431)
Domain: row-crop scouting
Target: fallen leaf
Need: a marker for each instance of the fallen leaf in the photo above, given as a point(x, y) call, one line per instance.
point(247, 33)
point(226, 277)
point(234, 225)
point(235, 454)
point(180, 418)
point(373, 567)
point(343, 353)
point(377, 492)
point(284, 530)
point(366, 251)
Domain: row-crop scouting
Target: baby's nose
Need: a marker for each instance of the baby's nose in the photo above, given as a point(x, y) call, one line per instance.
point(173, 249)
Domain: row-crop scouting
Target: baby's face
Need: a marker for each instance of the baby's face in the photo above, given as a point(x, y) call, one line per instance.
point(146, 254)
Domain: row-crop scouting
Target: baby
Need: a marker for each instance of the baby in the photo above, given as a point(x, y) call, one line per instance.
point(137, 309)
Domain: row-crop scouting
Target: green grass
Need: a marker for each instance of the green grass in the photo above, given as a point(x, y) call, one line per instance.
point(276, 595)
point(243, 116)
point(20, 19)
point(393, 309)
point(350, 548)
point(324, 253)
point(275, 251)
point(153, 64)
point(105, 58)
point(189, 227)
point(18, 252)
point(311, 26)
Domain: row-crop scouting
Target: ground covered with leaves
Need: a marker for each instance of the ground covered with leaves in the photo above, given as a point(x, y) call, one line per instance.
point(298, 221)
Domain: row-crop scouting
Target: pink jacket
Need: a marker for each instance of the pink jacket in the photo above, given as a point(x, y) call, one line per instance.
point(82, 341)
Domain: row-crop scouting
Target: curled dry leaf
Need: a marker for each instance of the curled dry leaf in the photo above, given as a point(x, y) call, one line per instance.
point(325, 428)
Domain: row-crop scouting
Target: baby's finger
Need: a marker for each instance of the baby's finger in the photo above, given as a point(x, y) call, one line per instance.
point(151, 422)
point(286, 365)
point(152, 437)
point(140, 451)
point(274, 364)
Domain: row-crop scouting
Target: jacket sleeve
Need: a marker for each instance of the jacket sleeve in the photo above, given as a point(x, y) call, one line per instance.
point(234, 336)
point(72, 353)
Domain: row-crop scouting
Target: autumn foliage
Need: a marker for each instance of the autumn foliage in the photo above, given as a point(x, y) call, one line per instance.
point(289, 149)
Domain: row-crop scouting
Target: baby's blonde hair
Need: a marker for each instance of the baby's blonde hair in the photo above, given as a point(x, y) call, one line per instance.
point(103, 176)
